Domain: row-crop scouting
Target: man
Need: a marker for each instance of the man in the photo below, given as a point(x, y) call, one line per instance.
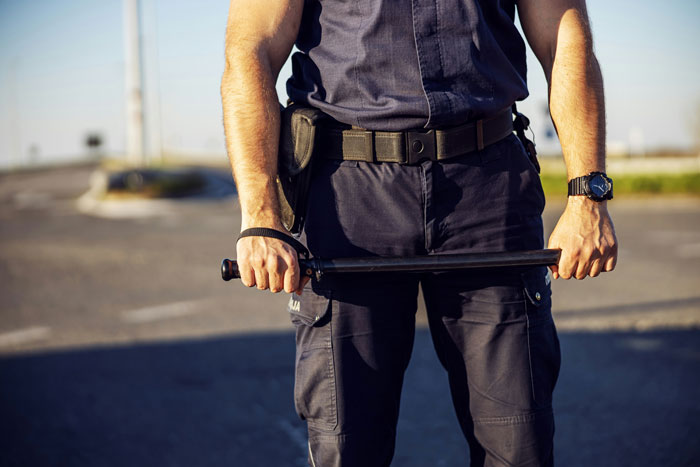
point(401, 69)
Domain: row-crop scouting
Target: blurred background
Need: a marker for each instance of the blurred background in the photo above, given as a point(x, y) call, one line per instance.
point(120, 344)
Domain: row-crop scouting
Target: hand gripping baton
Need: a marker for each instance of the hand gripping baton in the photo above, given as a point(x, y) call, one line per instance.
point(319, 267)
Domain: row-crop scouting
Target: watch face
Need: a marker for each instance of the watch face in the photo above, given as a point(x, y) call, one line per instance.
point(598, 185)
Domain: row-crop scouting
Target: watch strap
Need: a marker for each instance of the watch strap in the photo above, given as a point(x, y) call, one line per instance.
point(577, 185)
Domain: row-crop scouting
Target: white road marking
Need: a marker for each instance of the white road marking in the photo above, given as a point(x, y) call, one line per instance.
point(31, 199)
point(160, 312)
point(643, 344)
point(684, 318)
point(22, 336)
point(689, 250)
point(673, 236)
point(126, 208)
point(298, 437)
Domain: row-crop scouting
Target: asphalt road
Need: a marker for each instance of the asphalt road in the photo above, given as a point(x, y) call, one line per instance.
point(120, 345)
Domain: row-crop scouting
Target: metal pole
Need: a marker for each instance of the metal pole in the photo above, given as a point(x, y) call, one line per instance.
point(152, 58)
point(134, 85)
point(15, 118)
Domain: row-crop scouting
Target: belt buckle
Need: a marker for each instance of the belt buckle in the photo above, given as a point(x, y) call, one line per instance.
point(420, 145)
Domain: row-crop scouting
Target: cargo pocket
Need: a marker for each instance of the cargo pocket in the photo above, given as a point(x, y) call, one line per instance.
point(314, 381)
point(543, 343)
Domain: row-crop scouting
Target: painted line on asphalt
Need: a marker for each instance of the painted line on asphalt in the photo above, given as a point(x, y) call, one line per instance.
point(296, 435)
point(639, 322)
point(666, 237)
point(689, 250)
point(126, 208)
point(22, 336)
point(161, 312)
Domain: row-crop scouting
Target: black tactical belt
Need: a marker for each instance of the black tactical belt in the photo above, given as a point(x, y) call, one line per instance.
point(411, 147)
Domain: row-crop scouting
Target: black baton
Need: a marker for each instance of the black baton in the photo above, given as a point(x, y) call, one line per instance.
point(319, 267)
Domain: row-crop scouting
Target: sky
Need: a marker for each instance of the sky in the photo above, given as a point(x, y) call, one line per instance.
point(62, 76)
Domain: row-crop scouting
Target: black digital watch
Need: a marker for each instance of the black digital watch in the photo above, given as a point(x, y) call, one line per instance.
point(596, 186)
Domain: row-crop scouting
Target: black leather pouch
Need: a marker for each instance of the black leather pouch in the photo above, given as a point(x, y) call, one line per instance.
point(297, 139)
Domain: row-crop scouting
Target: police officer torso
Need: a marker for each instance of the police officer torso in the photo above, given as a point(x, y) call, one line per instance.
point(395, 64)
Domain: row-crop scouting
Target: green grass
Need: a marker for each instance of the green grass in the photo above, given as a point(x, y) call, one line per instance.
point(634, 184)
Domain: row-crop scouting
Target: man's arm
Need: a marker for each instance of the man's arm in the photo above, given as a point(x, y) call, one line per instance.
point(559, 34)
point(259, 37)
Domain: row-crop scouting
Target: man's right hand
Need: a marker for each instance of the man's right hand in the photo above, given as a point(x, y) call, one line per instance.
point(268, 263)
point(259, 37)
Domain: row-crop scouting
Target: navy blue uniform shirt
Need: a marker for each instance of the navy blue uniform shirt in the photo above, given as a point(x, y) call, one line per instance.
point(400, 64)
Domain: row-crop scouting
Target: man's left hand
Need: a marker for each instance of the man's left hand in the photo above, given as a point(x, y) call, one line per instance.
point(586, 236)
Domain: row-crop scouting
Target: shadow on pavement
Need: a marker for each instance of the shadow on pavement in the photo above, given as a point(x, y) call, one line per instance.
point(622, 399)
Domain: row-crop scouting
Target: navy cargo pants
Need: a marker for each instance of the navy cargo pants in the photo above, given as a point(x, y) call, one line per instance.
point(492, 330)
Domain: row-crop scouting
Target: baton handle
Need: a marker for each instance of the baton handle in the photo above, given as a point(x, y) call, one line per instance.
point(317, 266)
point(229, 269)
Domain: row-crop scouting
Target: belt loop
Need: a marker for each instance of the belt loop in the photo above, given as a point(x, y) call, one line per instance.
point(358, 145)
point(373, 142)
point(479, 135)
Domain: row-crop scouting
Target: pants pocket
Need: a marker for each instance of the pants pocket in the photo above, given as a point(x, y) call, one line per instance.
point(314, 380)
point(543, 343)
point(545, 361)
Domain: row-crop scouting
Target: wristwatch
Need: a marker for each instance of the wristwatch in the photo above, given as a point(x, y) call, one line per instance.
point(596, 186)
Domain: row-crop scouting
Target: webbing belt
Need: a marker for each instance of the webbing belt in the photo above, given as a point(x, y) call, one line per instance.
point(411, 147)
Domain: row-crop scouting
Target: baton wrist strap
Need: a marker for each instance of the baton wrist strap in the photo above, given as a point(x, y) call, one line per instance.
point(272, 233)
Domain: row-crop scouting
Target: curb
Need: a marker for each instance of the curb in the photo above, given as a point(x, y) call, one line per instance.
point(134, 193)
